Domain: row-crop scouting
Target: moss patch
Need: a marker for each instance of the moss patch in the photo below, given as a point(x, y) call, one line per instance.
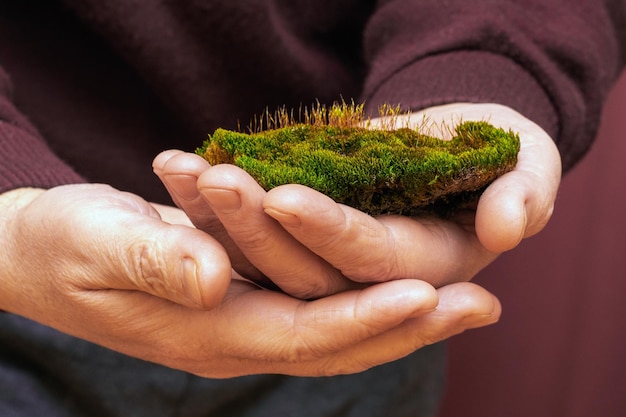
point(383, 170)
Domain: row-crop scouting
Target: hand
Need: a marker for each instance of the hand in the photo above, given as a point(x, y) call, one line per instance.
point(104, 266)
point(311, 236)
point(73, 239)
point(520, 203)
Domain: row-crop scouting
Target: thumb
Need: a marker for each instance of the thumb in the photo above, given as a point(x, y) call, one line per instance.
point(174, 262)
point(520, 203)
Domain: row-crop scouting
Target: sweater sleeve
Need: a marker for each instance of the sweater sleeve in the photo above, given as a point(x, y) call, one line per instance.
point(25, 159)
point(552, 60)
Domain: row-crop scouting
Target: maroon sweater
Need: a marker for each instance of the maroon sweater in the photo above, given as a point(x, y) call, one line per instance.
point(92, 90)
point(106, 85)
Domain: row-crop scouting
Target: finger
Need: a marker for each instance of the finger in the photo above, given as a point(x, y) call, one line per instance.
point(520, 203)
point(157, 330)
point(283, 334)
point(339, 321)
point(179, 172)
point(257, 331)
point(236, 199)
point(104, 239)
point(174, 262)
point(462, 306)
point(378, 249)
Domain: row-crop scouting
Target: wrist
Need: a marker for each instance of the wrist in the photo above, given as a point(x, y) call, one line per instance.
point(11, 203)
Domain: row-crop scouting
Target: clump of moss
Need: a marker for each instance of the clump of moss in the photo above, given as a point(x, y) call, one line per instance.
point(377, 170)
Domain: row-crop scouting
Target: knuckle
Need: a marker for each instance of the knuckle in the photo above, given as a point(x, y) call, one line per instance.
point(377, 265)
point(379, 262)
point(146, 265)
point(253, 238)
point(542, 219)
point(302, 332)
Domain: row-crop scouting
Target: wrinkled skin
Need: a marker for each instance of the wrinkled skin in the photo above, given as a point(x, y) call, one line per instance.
point(306, 225)
point(111, 268)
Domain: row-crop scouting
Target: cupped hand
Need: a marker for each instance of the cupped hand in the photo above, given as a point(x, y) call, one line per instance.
point(105, 266)
point(520, 203)
point(70, 242)
point(311, 246)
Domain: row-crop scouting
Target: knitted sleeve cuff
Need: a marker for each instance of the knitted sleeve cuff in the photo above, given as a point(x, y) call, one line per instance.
point(27, 162)
point(466, 76)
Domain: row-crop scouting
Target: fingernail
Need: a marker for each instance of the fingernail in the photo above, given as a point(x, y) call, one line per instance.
point(222, 200)
point(184, 186)
point(161, 159)
point(190, 281)
point(479, 320)
point(283, 218)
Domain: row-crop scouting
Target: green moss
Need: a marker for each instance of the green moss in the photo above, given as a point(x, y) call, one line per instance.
point(375, 170)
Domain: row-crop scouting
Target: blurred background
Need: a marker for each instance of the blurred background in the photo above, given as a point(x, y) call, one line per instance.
point(559, 349)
